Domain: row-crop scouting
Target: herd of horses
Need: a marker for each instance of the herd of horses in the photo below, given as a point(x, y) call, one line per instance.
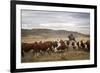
point(42, 47)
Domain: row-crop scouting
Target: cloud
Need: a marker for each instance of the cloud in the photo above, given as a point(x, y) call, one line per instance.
point(59, 25)
point(72, 21)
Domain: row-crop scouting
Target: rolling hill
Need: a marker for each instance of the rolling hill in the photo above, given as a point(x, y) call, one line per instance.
point(49, 33)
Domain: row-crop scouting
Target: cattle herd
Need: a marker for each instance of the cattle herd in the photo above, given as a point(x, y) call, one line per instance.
point(57, 46)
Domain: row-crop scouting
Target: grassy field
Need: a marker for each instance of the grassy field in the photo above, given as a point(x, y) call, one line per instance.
point(31, 39)
point(67, 55)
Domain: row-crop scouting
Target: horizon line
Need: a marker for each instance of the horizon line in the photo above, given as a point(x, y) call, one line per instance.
point(55, 30)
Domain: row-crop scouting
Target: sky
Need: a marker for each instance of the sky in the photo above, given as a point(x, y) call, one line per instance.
point(56, 20)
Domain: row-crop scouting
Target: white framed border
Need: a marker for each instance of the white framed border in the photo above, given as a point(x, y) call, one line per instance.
point(20, 65)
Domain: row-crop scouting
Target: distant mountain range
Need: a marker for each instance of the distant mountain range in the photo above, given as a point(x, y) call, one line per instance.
point(50, 33)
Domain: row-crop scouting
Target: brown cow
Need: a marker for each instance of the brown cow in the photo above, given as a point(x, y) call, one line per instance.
point(73, 45)
point(54, 44)
point(42, 47)
point(82, 45)
point(67, 44)
point(62, 46)
point(25, 47)
point(78, 44)
point(88, 45)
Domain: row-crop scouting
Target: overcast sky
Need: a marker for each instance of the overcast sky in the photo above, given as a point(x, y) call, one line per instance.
point(60, 20)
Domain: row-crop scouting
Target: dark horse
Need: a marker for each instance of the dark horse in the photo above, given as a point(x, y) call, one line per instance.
point(71, 37)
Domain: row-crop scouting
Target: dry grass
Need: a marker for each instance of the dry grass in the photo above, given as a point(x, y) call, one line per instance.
point(65, 56)
point(31, 39)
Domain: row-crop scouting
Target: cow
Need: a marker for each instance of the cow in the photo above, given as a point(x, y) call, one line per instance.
point(54, 44)
point(36, 47)
point(67, 43)
point(82, 45)
point(25, 47)
point(42, 47)
point(73, 45)
point(78, 44)
point(62, 46)
point(48, 46)
point(88, 45)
